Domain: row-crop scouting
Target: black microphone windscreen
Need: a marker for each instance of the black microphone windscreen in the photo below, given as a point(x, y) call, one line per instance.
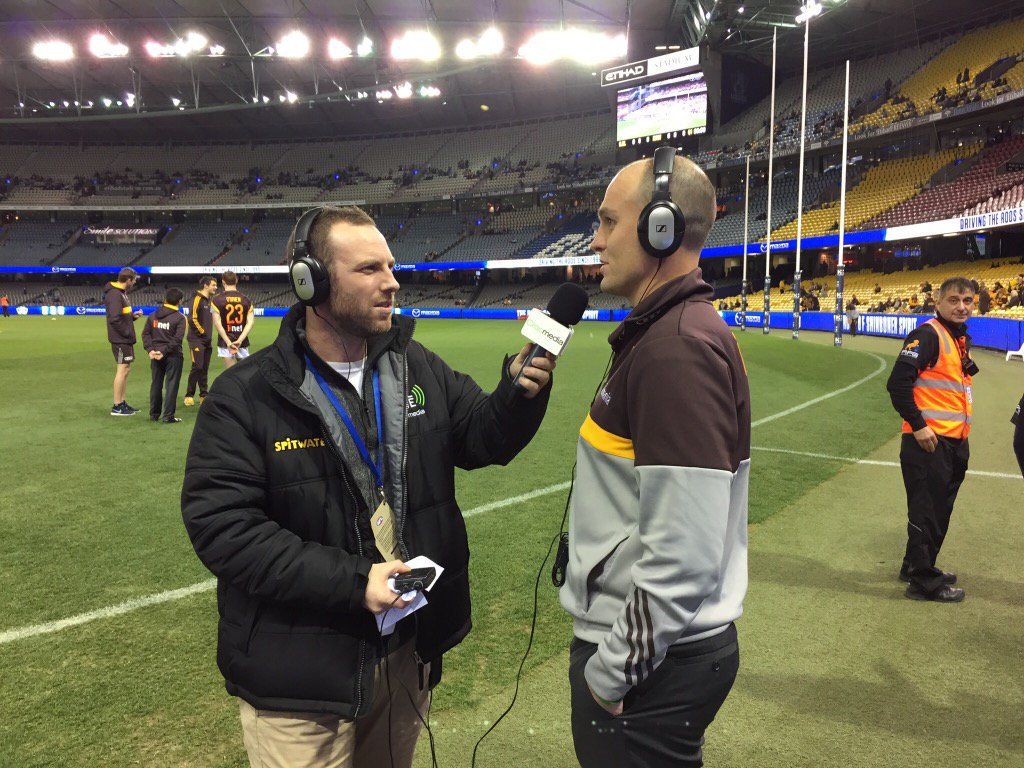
point(568, 304)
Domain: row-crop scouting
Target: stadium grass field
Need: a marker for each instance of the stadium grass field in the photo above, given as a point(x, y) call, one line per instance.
point(838, 669)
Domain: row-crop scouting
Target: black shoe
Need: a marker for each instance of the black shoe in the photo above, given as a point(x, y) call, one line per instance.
point(154, 418)
point(944, 594)
point(132, 411)
point(121, 410)
point(170, 420)
point(947, 578)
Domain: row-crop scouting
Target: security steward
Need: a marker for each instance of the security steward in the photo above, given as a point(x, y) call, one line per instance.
point(200, 339)
point(316, 469)
point(930, 387)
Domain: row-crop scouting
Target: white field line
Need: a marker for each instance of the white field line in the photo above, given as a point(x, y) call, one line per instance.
point(881, 367)
point(874, 463)
point(21, 633)
point(33, 630)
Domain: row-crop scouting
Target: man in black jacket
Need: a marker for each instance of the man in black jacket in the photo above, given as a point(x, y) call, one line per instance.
point(289, 504)
point(161, 337)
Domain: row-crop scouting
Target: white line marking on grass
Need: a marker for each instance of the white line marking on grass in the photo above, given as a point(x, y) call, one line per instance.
point(516, 499)
point(873, 462)
point(105, 613)
point(881, 367)
point(128, 606)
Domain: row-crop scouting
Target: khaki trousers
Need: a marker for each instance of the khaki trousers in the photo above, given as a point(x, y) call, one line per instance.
point(312, 740)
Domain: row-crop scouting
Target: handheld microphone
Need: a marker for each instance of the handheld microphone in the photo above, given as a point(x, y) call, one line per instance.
point(551, 332)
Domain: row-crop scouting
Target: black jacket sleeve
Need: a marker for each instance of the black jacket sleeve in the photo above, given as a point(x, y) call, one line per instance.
point(488, 429)
point(920, 351)
point(223, 505)
point(178, 333)
point(148, 342)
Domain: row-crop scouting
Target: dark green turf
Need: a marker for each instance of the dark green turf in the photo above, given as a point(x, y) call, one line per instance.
point(90, 518)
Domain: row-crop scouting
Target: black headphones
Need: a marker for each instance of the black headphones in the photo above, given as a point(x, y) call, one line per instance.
point(661, 225)
point(306, 272)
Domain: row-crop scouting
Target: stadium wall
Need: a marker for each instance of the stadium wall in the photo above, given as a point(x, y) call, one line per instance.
point(997, 333)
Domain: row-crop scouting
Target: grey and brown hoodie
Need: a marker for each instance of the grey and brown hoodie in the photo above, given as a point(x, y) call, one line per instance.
point(658, 521)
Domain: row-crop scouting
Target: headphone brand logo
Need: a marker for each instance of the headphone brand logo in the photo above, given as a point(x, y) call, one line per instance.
point(660, 227)
point(302, 281)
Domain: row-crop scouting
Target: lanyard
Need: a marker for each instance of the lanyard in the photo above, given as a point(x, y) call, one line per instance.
point(376, 467)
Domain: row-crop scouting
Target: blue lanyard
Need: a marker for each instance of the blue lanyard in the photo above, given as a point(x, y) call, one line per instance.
point(376, 467)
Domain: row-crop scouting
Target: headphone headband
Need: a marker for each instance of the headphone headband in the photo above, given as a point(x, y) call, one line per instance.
point(664, 163)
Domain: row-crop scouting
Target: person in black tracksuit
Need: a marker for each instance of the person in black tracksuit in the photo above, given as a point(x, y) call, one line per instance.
point(277, 501)
point(200, 339)
point(161, 337)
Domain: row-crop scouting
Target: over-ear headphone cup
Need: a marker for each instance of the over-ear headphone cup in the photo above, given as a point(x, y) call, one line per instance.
point(660, 228)
point(309, 280)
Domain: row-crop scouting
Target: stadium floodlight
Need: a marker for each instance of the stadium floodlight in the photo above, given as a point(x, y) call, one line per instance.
point(102, 47)
point(336, 49)
point(66, 104)
point(741, 10)
point(175, 100)
point(53, 50)
point(129, 99)
point(365, 47)
point(51, 104)
point(430, 91)
point(292, 98)
point(362, 95)
point(266, 99)
point(808, 11)
point(580, 45)
point(404, 90)
point(217, 50)
point(490, 43)
point(384, 95)
point(192, 42)
point(416, 44)
point(294, 45)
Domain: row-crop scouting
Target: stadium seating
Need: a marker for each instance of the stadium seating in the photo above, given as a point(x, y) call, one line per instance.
point(984, 179)
point(35, 242)
point(193, 243)
point(264, 244)
point(896, 290)
point(940, 85)
point(883, 186)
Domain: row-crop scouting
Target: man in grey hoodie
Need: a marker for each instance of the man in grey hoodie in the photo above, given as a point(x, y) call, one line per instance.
point(657, 565)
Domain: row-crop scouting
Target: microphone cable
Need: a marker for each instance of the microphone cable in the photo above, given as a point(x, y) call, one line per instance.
point(557, 538)
point(536, 584)
point(430, 697)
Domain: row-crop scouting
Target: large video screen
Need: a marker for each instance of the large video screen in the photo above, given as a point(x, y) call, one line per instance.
point(669, 108)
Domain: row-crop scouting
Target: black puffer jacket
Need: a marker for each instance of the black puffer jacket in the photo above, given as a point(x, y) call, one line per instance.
point(272, 510)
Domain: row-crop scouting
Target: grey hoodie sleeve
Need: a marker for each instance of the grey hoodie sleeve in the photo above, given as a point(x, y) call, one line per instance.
point(684, 426)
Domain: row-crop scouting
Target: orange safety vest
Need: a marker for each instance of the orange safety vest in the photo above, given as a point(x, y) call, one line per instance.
point(943, 392)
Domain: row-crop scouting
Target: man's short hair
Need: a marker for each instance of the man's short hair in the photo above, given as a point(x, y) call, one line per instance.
point(320, 232)
point(126, 273)
point(229, 278)
point(690, 189)
point(174, 296)
point(205, 280)
point(957, 284)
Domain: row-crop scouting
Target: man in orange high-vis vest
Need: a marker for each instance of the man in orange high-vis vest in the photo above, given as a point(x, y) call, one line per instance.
point(930, 387)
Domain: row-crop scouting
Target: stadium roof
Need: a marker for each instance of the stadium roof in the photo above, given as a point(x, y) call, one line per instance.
point(315, 96)
point(510, 89)
point(847, 29)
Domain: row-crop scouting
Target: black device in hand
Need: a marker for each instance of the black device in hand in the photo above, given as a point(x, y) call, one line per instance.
point(416, 580)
